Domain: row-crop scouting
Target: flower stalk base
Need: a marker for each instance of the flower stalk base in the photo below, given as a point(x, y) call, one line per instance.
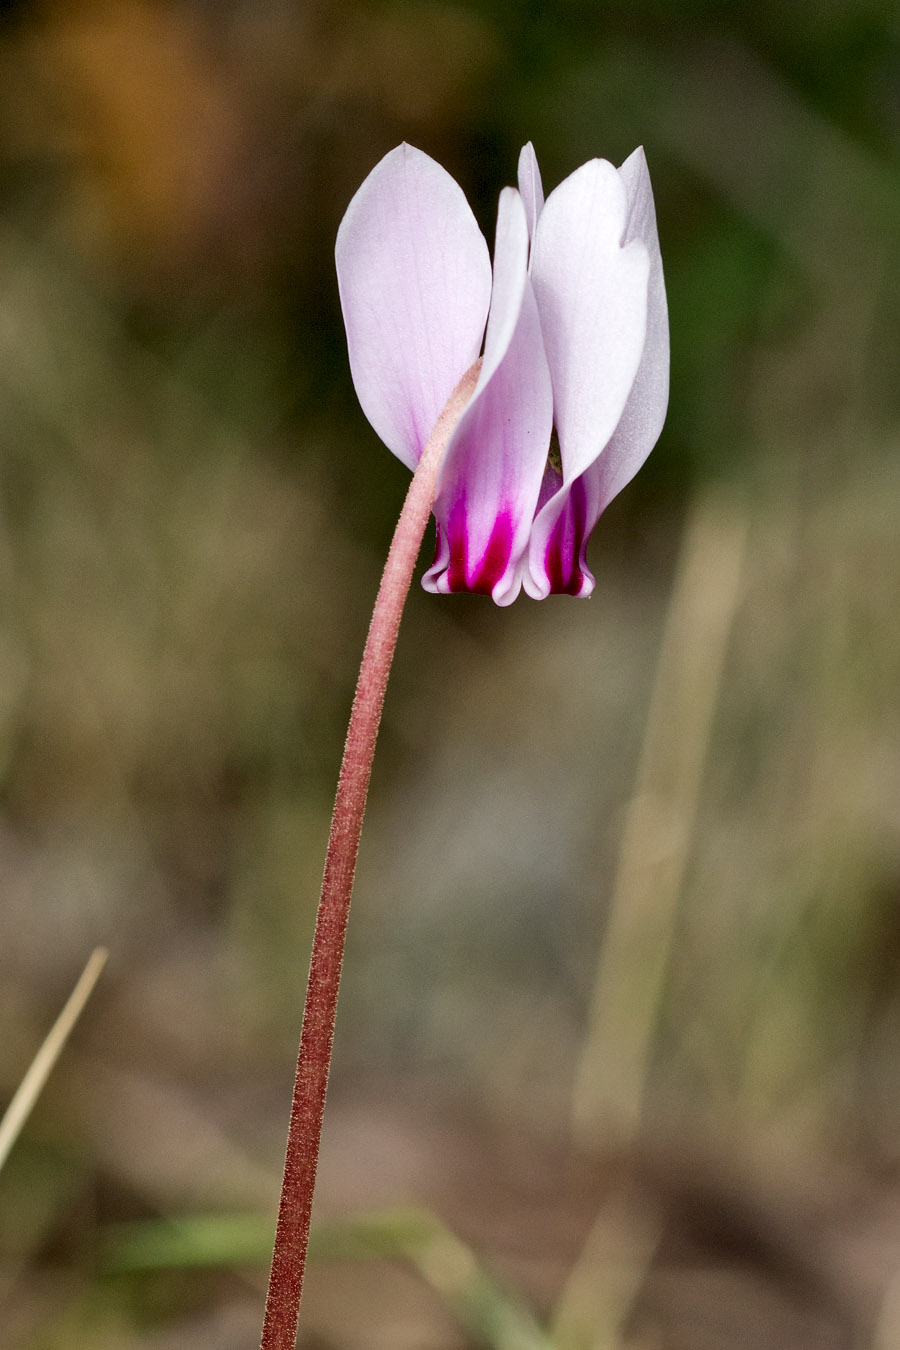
point(311, 1080)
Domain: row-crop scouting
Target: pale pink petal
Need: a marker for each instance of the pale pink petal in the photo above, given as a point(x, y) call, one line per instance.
point(644, 413)
point(493, 467)
point(530, 187)
point(591, 289)
point(568, 513)
point(415, 284)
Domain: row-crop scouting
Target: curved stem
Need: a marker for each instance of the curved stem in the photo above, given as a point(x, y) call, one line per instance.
point(311, 1081)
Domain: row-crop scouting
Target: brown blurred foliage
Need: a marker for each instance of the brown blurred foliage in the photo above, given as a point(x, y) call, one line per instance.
point(191, 144)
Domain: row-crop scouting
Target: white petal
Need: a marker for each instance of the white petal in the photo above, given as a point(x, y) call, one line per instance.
point(591, 289)
point(530, 187)
point(415, 284)
point(644, 413)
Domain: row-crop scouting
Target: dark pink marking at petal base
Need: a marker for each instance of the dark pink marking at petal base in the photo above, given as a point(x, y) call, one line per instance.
point(492, 565)
point(496, 555)
point(562, 558)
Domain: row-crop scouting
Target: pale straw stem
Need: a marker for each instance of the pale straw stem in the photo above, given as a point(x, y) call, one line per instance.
point(659, 825)
point(32, 1085)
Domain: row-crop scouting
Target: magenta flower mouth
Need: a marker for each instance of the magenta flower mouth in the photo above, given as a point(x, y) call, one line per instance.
point(565, 548)
point(485, 575)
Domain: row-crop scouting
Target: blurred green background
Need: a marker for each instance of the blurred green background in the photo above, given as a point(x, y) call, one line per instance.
point(618, 1057)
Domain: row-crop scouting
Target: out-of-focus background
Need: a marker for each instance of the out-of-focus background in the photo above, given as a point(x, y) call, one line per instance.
point(618, 1058)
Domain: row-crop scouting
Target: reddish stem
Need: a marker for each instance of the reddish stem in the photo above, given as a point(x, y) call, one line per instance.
point(308, 1104)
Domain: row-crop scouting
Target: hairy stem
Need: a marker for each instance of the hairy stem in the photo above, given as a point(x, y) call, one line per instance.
point(314, 1059)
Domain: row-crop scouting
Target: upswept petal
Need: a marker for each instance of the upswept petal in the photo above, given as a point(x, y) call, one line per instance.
point(566, 517)
point(644, 413)
point(492, 470)
point(591, 288)
point(415, 283)
point(530, 186)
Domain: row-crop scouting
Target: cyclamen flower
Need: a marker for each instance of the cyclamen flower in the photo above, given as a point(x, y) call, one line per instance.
point(576, 339)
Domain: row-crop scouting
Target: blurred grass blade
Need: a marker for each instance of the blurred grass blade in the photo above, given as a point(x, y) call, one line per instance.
point(33, 1083)
point(480, 1306)
point(598, 1295)
point(659, 823)
point(197, 1241)
point(450, 1267)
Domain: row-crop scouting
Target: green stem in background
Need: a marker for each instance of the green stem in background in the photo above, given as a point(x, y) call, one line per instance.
point(314, 1059)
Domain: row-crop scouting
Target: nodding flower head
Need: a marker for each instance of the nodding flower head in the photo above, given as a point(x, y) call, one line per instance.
point(572, 390)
